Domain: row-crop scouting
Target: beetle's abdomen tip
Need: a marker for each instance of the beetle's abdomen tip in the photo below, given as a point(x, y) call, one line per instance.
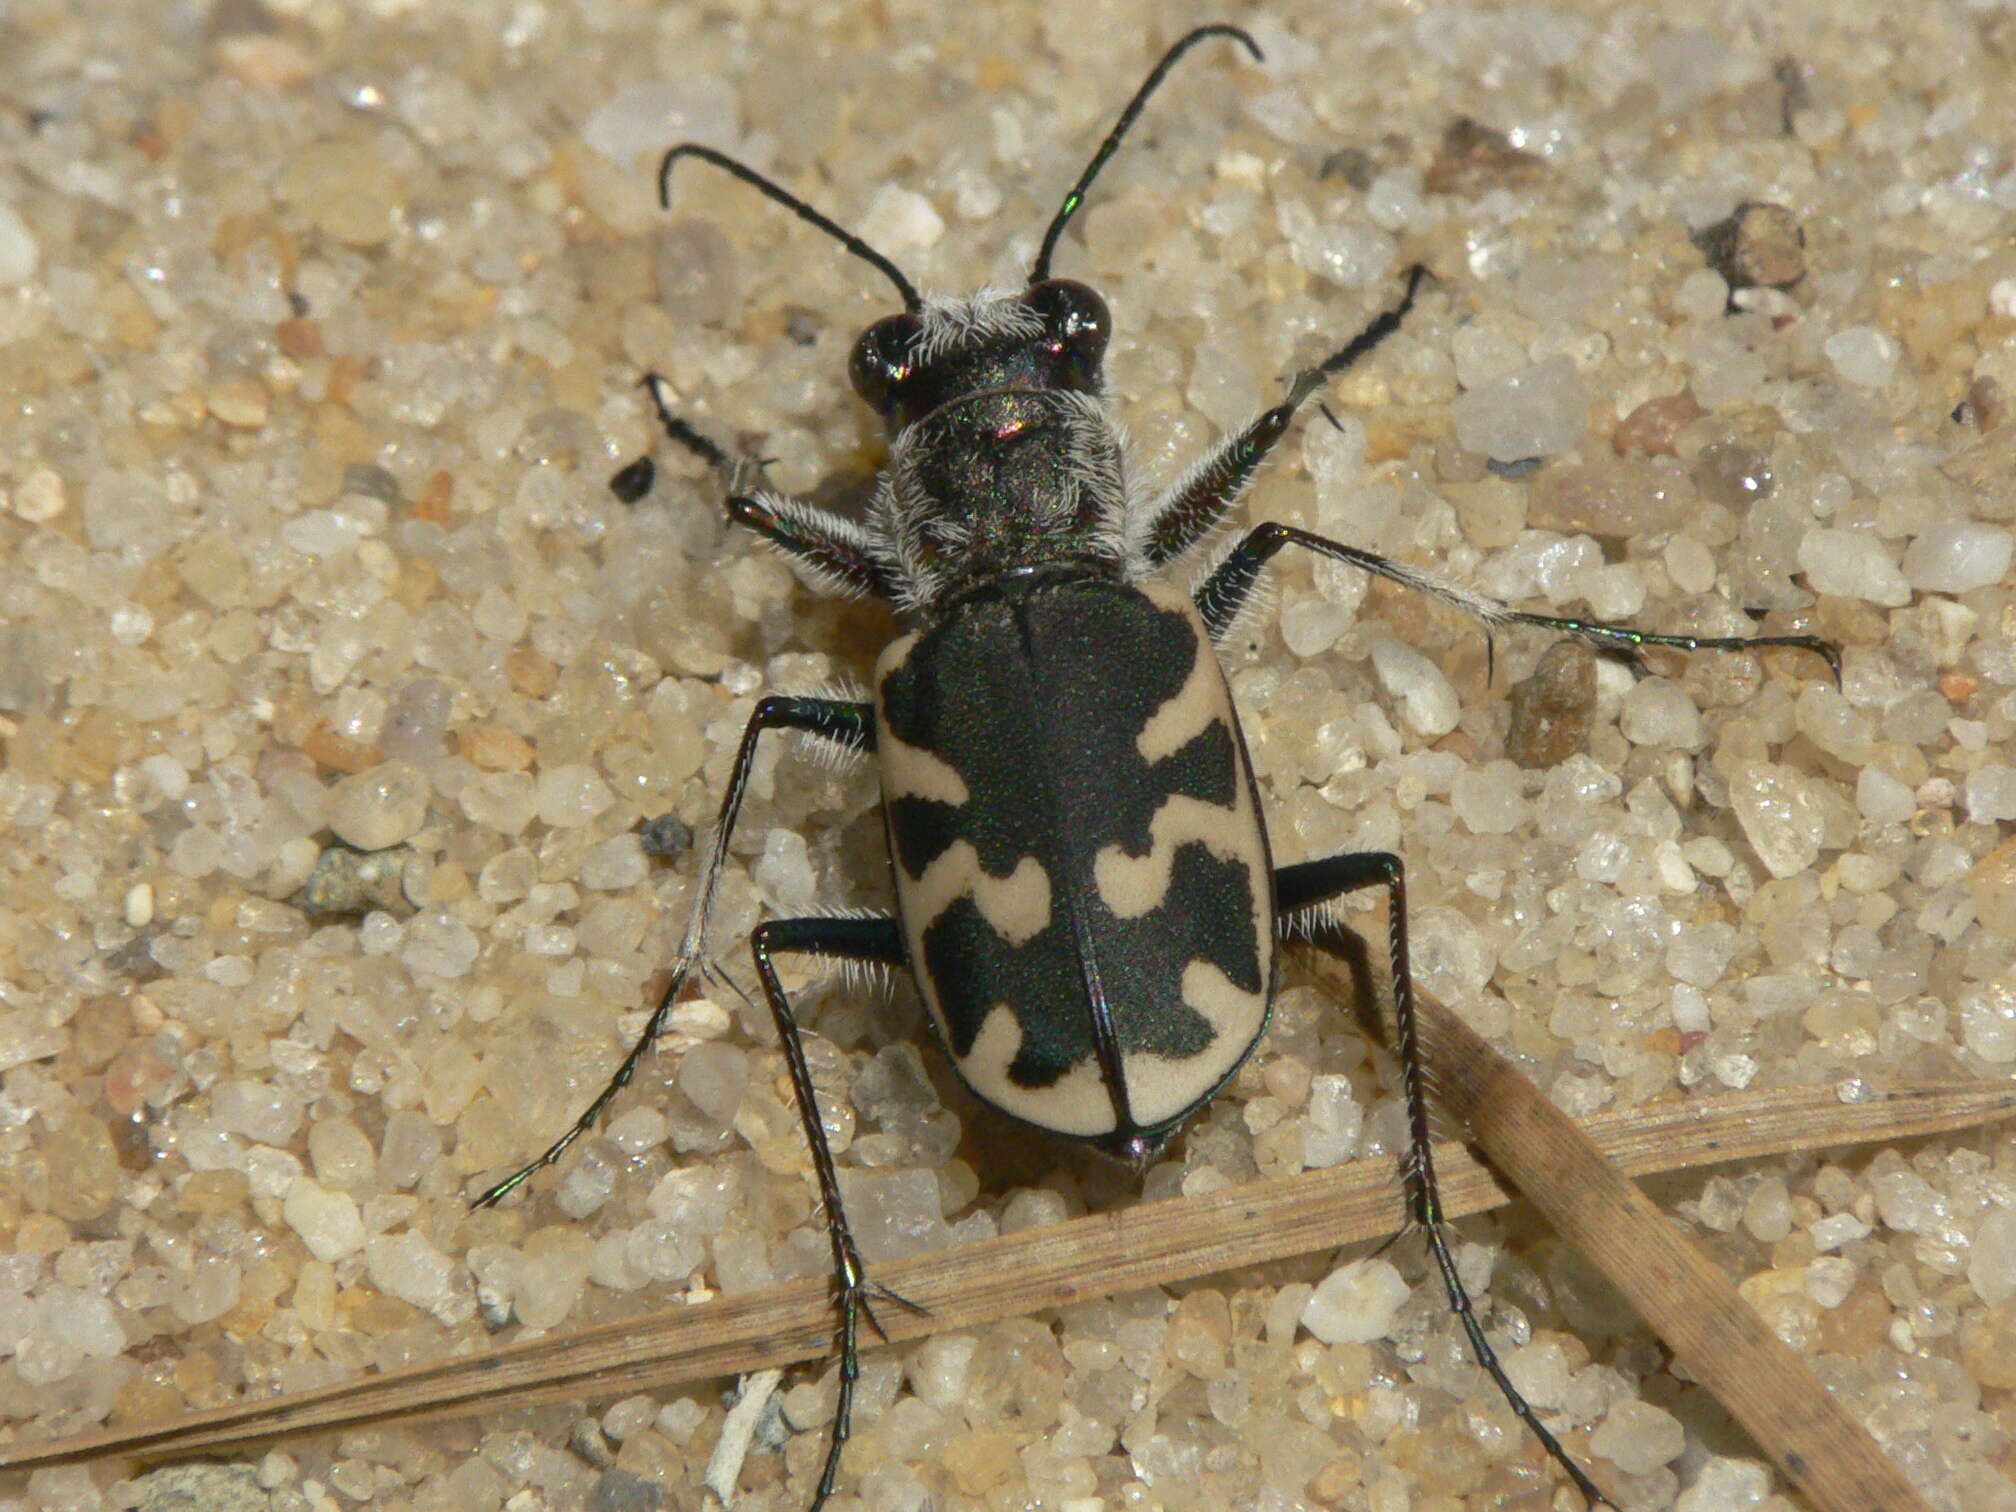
point(1134, 1148)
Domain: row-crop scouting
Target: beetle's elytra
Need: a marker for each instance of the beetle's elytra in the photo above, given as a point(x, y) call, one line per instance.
point(1109, 857)
point(1086, 898)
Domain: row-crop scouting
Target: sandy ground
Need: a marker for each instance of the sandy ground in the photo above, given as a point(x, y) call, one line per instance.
point(320, 330)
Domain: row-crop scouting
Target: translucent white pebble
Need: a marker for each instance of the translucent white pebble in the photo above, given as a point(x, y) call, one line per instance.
point(1726, 1485)
point(19, 252)
point(1535, 412)
point(1355, 1303)
point(652, 116)
point(1991, 1261)
point(1862, 355)
point(1957, 556)
point(1637, 1437)
point(327, 1220)
point(1852, 564)
point(409, 1267)
point(1427, 701)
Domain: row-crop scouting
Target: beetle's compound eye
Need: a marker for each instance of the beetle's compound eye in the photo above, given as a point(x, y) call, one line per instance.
point(884, 356)
point(1075, 318)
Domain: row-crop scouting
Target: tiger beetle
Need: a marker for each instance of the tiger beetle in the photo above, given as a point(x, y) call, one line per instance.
point(1085, 893)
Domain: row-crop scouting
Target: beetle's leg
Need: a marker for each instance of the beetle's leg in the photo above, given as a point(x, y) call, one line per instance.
point(845, 724)
point(840, 550)
point(1304, 894)
point(1199, 499)
point(880, 942)
point(1220, 596)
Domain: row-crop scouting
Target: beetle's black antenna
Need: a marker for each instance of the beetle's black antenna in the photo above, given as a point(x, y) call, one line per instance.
point(912, 301)
point(1120, 129)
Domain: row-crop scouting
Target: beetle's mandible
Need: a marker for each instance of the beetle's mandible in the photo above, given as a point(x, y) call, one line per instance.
point(1086, 897)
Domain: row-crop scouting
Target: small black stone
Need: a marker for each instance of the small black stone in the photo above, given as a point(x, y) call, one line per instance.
point(633, 480)
point(348, 882)
point(667, 835)
point(621, 1491)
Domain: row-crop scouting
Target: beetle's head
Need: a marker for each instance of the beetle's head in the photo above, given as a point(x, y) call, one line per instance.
point(1048, 337)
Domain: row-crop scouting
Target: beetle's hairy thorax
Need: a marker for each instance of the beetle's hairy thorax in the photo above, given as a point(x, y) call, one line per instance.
point(1002, 479)
point(1002, 455)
